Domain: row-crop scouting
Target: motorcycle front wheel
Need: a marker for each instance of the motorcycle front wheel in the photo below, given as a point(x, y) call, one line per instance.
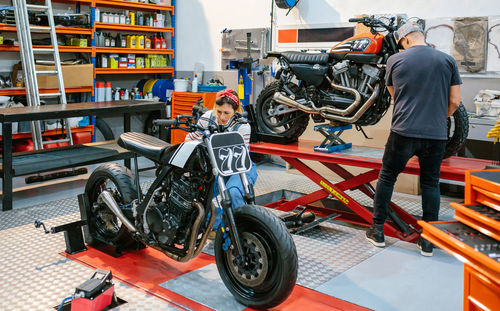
point(267, 275)
point(103, 224)
point(288, 125)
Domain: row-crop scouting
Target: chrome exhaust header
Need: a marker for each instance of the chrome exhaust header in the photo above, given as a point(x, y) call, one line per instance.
point(331, 113)
point(107, 198)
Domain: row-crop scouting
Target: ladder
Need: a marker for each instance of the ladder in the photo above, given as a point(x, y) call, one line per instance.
point(24, 30)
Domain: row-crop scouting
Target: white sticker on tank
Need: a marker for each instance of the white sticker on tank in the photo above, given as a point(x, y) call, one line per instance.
point(182, 153)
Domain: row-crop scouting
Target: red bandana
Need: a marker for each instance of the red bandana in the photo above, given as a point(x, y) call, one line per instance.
point(228, 93)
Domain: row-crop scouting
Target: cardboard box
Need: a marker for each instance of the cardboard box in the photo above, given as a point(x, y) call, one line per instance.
point(74, 76)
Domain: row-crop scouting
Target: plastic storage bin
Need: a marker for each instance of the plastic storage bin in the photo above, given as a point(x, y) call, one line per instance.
point(210, 88)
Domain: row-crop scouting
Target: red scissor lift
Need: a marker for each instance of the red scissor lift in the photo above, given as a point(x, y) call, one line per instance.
point(401, 224)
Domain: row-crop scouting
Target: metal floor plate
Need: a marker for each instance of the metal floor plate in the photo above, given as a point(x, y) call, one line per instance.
point(34, 276)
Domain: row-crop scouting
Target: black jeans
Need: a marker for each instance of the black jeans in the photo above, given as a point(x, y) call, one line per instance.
point(398, 150)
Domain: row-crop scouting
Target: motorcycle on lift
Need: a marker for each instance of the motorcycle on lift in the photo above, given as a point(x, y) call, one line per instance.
point(344, 86)
point(254, 252)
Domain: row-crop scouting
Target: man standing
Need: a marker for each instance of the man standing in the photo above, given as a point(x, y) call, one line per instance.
point(425, 86)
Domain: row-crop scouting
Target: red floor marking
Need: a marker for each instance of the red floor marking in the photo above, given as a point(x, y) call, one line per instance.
point(303, 298)
point(147, 268)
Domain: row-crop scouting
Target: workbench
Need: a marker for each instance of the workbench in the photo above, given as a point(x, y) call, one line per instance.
point(401, 225)
point(19, 164)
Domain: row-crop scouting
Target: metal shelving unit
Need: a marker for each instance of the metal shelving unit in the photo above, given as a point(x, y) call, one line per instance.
point(59, 30)
point(62, 49)
point(132, 28)
point(138, 51)
point(22, 91)
point(169, 70)
point(134, 5)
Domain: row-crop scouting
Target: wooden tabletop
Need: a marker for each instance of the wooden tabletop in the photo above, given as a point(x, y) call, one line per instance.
point(29, 113)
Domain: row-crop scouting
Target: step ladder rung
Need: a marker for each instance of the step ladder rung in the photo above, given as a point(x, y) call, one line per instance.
point(39, 28)
point(64, 140)
point(39, 8)
point(43, 50)
point(46, 72)
point(50, 94)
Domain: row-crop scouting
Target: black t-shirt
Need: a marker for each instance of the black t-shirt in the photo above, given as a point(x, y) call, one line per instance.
point(421, 77)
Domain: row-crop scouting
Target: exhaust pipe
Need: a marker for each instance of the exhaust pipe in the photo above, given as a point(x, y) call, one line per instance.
point(358, 113)
point(107, 198)
point(285, 100)
point(329, 112)
point(348, 110)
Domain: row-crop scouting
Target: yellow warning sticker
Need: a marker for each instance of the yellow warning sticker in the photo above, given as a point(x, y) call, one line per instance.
point(335, 193)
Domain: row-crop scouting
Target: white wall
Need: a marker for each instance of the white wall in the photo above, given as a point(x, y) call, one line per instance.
point(199, 22)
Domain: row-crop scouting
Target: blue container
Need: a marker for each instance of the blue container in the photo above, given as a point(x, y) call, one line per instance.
point(211, 88)
point(140, 85)
point(167, 85)
point(156, 87)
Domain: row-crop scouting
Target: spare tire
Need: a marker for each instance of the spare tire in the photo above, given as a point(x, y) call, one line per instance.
point(458, 130)
point(104, 129)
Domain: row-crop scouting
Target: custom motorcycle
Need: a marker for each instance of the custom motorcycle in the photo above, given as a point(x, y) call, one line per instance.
point(344, 86)
point(254, 252)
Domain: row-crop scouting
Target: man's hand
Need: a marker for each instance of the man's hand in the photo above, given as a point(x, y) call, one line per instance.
point(391, 90)
point(454, 100)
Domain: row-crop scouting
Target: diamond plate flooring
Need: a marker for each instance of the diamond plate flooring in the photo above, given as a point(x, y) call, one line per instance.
point(34, 276)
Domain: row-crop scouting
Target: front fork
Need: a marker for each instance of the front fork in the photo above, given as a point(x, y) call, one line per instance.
point(229, 223)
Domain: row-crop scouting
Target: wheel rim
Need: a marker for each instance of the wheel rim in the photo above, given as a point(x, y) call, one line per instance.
point(105, 221)
point(266, 279)
point(254, 270)
point(277, 124)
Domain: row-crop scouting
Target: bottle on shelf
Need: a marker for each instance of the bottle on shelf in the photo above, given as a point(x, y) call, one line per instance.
point(107, 96)
point(123, 19)
point(156, 44)
point(147, 42)
point(163, 42)
point(132, 18)
point(194, 86)
point(131, 41)
point(117, 94)
point(140, 42)
point(97, 15)
point(107, 41)
point(140, 18)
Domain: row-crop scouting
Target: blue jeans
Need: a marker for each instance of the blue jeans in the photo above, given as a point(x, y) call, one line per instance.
point(398, 150)
point(233, 184)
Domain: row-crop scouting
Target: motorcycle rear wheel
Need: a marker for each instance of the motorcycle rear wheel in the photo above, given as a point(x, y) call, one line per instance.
point(289, 126)
point(268, 275)
point(458, 130)
point(104, 226)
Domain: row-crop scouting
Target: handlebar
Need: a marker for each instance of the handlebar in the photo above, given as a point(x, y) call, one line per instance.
point(165, 122)
point(374, 22)
point(357, 20)
point(193, 126)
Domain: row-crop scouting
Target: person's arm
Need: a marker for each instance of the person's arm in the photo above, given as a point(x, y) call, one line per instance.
point(245, 131)
point(454, 99)
point(390, 88)
point(203, 122)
